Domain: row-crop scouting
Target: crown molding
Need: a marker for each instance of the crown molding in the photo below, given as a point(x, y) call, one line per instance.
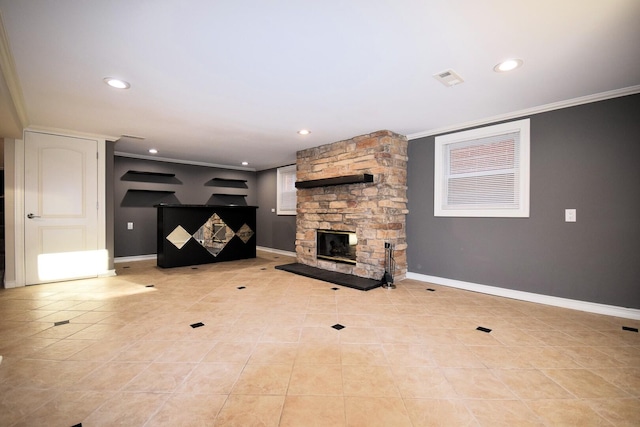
point(631, 90)
point(8, 70)
point(68, 132)
point(182, 162)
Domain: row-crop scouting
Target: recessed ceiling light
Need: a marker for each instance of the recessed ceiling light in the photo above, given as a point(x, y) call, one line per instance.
point(245, 163)
point(116, 83)
point(508, 65)
point(304, 132)
point(153, 151)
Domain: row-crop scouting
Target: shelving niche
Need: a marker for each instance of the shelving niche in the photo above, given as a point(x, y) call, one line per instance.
point(227, 183)
point(150, 177)
point(231, 191)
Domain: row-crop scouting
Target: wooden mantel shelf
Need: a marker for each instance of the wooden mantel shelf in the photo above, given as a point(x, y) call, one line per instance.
point(339, 180)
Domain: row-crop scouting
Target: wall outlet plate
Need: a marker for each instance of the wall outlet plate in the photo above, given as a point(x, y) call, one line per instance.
point(570, 215)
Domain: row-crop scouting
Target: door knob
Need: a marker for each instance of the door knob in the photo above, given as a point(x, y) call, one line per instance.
point(31, 216)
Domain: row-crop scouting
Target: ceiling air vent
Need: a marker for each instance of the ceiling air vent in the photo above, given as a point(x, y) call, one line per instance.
point(448, 78)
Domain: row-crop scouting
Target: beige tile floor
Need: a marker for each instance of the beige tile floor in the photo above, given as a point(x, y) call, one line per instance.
point(267, 354)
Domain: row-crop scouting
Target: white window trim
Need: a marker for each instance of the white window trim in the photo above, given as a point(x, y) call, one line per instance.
point(281, 190)
point(521, 126)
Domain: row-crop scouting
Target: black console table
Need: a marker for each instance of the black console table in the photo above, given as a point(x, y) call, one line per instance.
point(202, 234)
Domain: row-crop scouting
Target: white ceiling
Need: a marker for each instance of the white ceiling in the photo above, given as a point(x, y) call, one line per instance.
point(222, 82)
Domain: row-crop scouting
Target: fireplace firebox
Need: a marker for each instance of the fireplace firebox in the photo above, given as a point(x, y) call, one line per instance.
point(337, 246)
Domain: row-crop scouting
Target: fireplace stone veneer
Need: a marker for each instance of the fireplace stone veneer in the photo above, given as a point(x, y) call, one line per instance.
point(375, 210)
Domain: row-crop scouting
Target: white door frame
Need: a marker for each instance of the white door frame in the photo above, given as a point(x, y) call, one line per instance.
point(19, 222)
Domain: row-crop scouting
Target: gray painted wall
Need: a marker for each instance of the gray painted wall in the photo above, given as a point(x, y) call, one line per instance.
point(584, 157)
point(276, 231)
point(189, 186)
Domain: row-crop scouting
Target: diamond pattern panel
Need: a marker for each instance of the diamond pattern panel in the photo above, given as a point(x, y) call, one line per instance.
point(245, 233)
point(214, 235)
point(179, 237)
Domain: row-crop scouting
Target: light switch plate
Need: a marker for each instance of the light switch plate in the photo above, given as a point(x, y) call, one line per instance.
point(570, 215)
point(129, 226)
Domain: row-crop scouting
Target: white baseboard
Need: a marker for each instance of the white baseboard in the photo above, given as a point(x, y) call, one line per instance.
point(591, 307)
point(276, 251)
point(108, 273)
point(150, 257)
point(10, 284)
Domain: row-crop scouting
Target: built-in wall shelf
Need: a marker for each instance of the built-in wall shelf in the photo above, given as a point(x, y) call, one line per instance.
point(227, 183)
point(338, 180)
point(141, 198)
point(151, 173)
point(229, 194)
point(133, 190)
point(227, 199)
point(151, 177)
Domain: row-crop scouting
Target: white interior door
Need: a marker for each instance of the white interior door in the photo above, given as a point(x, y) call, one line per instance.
point(61, 208)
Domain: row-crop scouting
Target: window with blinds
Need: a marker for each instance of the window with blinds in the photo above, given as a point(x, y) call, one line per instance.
point(483, 172)
point(286, 190)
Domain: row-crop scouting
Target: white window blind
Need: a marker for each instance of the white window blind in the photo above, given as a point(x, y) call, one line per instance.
point(286, 190)
point(483, 172)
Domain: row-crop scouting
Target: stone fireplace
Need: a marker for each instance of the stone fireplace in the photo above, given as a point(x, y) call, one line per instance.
point(354, 186)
